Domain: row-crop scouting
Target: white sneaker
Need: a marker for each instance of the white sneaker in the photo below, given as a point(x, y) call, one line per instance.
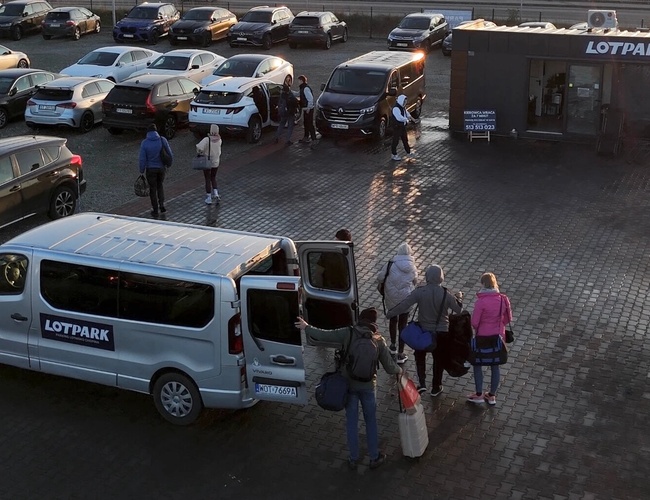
point(208, 200)
point(396, 157)
point(215, 195)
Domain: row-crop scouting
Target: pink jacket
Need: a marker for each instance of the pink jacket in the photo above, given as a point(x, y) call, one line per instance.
point(491, 313)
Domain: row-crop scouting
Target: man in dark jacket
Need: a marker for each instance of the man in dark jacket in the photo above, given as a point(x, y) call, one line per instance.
point(359, 392)
point(287, 107)
point(307, 104)
point(151, 165)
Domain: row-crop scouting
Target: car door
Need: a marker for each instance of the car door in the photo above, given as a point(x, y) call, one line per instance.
point(19, 94)
point(15, 309)
point(272, 92)
point(126, 65)
point(336, 29)
point(276, 26)
point(35, 181)
point(439, 30)
point(10, 195)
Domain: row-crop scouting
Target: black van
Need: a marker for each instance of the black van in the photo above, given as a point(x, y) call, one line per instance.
point(358, 98)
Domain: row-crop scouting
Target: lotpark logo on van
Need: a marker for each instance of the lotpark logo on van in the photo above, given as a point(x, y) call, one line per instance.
point(76, 331)
point(618, 48)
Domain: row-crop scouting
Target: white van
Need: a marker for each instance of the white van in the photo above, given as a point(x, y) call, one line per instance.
point(196, 316)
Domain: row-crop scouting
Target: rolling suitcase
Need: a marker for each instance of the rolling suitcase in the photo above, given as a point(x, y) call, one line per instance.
point(413, 432)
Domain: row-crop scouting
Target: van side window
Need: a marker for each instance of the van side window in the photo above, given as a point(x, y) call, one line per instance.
point(271, 315)
point(412, 72)
point(394, 81)
point(329, 270)
point(13, 272)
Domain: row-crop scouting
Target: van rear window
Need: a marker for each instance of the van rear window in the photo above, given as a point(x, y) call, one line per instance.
point(271, 315)
point(357, 81)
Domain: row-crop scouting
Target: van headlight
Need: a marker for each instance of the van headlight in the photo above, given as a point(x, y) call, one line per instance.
point(368, 111)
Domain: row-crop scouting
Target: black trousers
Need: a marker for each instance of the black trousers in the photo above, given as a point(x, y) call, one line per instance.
point(438, 361)
point(399, 132)
point(308, 118)
point(395, 325)
point(156, 178)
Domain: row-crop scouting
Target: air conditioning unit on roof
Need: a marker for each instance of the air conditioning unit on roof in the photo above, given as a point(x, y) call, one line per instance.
point(604, 19)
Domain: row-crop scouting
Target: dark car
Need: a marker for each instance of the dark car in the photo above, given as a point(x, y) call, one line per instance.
point(16, 87)
point(70, 21)
point(261, 27)
point(142, 100)
point(38, 175)
point(202, 25)
point(320, 28)
point(146, 22)
point(447, 42)
point(418, 32)
point(20, 17)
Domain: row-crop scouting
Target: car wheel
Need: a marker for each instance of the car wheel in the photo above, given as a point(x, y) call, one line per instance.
point(16, 33)
point(153, 40)
point(345, 36)
point(112, 79)
point(293, 45)
point(4, 118)
point(47, 37)
point(98, 27)
point(23, 63)
point(87, 122)
point(207, 39)
point(380, 131)
point(254, 132)
point(76, 34)
point(417, 110)
point(115, 130)
point(328, 42)
point(177, 399)
point(267, 43)
point(169, 127)
point(64, 202)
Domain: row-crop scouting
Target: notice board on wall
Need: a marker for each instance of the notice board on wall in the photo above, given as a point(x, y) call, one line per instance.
point(480, 120)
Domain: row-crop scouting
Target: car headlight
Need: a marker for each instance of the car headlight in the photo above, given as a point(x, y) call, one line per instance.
point(390, 37)
point(199, 30)
point(368, 111)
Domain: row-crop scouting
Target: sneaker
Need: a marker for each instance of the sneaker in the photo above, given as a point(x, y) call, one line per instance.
point(378, 461)
point(163, 209)
point(305, 140)
point(490, 399)
point(154, 213)
point(396, 157)
point(402, 358)
point(422, 389)
point(352, 464)
point(215, 195)
point(208, 199)
point(437, 391)
point(476, 398)
point(392, 348)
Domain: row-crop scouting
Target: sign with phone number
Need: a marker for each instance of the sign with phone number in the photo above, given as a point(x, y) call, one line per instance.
point(480, 120)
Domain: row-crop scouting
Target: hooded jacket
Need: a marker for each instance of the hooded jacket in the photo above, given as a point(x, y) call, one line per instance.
point(400, 113)
point(429, 298)
point(491, 313)
point(401, 279)
point(211, 146)
point(150, 151)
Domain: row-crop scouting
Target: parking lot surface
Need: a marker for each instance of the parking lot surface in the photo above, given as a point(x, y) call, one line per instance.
point(566, 233)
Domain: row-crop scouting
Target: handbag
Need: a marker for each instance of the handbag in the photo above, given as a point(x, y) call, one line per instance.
point(141, 186)
point(488, 350)
point(332, 391)
point(202, 162)
point(165, 157)
point(418, 339)
point(408, 394)
point(510, 335)
point(382, 286)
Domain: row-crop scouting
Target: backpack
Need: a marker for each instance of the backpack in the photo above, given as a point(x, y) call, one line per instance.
point(361, 356)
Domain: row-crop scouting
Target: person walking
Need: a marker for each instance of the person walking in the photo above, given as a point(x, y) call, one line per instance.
point(399, 277)
point(307, 104)
point(359, 391)
point(151, 165)
point(401, 118)
point(210, 146)
point(491, 314)
point(434, 303)
point(287, 107)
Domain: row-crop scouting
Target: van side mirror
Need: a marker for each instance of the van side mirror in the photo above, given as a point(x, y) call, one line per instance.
point(322, 87)
point(392, 92)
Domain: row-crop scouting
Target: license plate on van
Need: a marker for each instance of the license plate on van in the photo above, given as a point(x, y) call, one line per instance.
point(341, 126)
point(276, 390)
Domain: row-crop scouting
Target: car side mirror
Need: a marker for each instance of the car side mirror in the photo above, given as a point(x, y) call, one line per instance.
point(322, 87)
point(195, 91)
point(392, 92)
point(213, 20)
point(24, 14)
point(120, 64)
point(13, 91)
point(148, 63)
point(274, 21)
point(195, 66)
point(431, 28)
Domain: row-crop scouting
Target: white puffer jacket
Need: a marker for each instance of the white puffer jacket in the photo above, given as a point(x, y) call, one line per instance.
point(401, 280)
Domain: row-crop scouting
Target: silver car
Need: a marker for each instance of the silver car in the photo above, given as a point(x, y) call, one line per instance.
point(74, 101)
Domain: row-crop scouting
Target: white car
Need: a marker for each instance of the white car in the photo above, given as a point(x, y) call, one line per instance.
point(12, 58)
point(264, 66)
point(238, 105)
point(113, 63)
point(194, 64)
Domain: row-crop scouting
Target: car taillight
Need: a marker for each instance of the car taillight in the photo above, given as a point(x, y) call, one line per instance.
point(149, 105)
point(234, 111)
point(235, 339)
point(31, 103)
point(69, 23)
point(76, 161)
point(67, 105)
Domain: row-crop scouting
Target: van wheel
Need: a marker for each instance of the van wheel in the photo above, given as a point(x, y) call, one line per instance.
point(177, 399)
point(328, 42)
point(254, 132)
point(63, 204)
point(380, 133)
point(417, 110)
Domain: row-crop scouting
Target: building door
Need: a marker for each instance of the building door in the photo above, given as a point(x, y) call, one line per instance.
point(584, 99)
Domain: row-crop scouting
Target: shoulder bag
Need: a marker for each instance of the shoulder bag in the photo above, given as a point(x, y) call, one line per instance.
point(488, 350)
point(510, 335)
point(382, 286)
point(202, 162)
point(165, 157)
point(418, 339)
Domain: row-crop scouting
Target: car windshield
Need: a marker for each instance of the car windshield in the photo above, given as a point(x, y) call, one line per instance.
point(357, 81)
point(256, 17)
point(175, 63)
point(236, 68)
point(305, 21)
point(143, 13)
point(415, 23)
point(99, 58)
point(221, 97)
point(198, 15)
point(57, 16)
point(5, 84)
point(10, 9)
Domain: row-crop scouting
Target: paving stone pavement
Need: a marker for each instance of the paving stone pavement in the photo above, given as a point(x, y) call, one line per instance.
point(566, 233)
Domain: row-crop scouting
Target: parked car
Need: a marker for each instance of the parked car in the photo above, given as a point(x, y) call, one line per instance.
point(538, 24)
point(17, 86)
point(113, 63)
point(447, 42)
point(142, 100)
point(194, 64)
point(146, 22)
point(418, 31)
point(238, 105)
point(268, 67)
point(38, 175)
point(320, 28)
point(21, 17)
point(73, 101)
point(12, 58)
point(70, 21)
point(202, 25)
point(262, 27)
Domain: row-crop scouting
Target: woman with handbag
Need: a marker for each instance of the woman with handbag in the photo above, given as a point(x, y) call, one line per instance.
point(491, 313)
point(209, 154)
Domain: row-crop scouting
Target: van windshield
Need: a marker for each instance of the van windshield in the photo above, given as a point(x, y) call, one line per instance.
point(357, 81)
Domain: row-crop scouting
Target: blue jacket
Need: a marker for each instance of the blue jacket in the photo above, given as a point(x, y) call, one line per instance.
point(150, 151)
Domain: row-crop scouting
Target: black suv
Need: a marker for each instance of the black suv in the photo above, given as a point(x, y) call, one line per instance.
point(38, 175)
point(262, 27)
point(22, 16)
point(316, 27)
point(418, 31)
point(142, 100)
point(146, 22)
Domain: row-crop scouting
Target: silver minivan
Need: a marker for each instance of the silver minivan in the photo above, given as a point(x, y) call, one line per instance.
point(195, 316)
